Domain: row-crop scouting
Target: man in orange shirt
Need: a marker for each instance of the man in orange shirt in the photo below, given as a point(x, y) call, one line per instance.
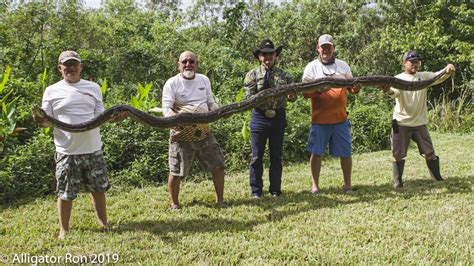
point(328, 113)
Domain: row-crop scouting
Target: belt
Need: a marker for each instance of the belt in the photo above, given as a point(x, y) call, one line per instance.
point(270, 113)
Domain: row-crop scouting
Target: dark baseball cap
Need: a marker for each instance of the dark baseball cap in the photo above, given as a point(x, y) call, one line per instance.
point(411, 55)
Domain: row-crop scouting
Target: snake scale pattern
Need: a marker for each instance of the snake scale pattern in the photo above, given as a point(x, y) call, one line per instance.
point(230, 109)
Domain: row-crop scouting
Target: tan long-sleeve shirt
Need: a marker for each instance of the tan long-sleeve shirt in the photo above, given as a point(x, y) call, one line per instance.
point(410, 106)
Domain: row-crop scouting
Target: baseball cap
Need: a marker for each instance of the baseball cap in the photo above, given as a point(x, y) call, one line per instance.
point(325, 39)
point(68, 55)
point(411, 55)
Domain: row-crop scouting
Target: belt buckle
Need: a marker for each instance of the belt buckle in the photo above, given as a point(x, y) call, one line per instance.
point(270, 113)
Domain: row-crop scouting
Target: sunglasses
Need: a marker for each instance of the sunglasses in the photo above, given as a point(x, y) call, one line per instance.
point(267, 53)
point(414, 61)
point(70, 63)
point(184, 62)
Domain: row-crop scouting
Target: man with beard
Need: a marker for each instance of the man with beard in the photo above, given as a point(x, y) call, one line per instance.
point(410, 118)
point(191, 92)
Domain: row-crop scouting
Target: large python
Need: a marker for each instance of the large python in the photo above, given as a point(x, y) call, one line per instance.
point(230, 109)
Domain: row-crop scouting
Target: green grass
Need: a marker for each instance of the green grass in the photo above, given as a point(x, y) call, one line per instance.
point(426, 222)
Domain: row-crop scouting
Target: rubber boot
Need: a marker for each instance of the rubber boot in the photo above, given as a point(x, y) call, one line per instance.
point(433, 165)
point(398, 173)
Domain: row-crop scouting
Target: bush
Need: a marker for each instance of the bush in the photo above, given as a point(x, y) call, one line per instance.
point(29, 171)
point(140, 151)
point(296, 135)
point(236, 148)
point(142, 172)
point(448, 114)
point(5, 187)
point(370, 126)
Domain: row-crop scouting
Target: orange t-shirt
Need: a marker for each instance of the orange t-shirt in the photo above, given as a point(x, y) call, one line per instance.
point(329, 107)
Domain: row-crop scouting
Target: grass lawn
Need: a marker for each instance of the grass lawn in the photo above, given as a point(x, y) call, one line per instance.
point(425, 222)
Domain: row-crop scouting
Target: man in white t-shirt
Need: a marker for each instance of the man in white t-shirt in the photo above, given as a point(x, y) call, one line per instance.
point(79, 159)
point(191, 92)
point(410, 118)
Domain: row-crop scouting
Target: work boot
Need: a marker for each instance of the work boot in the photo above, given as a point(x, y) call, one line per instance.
point(433, 165)
point(397, 173)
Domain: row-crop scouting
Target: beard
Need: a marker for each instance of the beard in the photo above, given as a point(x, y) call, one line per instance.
point(188, 74)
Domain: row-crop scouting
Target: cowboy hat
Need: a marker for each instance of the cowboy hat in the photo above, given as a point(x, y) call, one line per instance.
point(266, 46)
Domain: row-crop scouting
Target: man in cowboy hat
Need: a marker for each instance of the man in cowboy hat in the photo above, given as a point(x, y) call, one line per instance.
point(268, 120)
point(410, 118)
point(328, 113)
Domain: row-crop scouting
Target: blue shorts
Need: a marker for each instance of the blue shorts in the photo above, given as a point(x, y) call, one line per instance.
point(337, 135)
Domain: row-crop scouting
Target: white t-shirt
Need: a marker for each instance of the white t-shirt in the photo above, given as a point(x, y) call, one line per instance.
point(410, 106)
point(196, 93)
point(315, 70)
point(74, 103)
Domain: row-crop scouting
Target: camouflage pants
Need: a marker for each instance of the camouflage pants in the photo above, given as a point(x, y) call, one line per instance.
point(75, 172)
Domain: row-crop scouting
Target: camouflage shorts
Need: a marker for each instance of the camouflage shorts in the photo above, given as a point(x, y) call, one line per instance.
point(182, 154)
point(83, 171)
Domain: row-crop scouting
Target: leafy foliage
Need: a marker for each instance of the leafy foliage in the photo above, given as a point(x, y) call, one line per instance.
point(138, 153)
point(454, 115)
point(29, 170)
point(370, 127)
point(124, 45)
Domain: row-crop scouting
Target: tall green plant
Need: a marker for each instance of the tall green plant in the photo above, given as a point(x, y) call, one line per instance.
point(103, 87)
point(43, 78)
point(141, 100)
point(245, 124)
point(7, 121)
point(5, 77)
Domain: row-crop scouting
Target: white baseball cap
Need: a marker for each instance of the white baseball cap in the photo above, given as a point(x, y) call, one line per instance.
point(325, 39)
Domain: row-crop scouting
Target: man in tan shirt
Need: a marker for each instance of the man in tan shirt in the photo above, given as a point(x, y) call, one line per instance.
point(410, 118)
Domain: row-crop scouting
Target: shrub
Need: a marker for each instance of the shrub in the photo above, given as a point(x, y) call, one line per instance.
point(140, 150)
point(370, 126)
point(5, 187)
point(296, 134)
point(141, 172)
point(236, 148)
point(453, 115)
point(29, 171)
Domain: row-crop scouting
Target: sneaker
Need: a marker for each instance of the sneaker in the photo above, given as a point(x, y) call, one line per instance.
point(276, 194)
point(174, 207)
point(256, 195)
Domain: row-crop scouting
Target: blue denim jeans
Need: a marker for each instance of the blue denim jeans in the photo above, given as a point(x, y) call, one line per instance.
point(262, 129)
